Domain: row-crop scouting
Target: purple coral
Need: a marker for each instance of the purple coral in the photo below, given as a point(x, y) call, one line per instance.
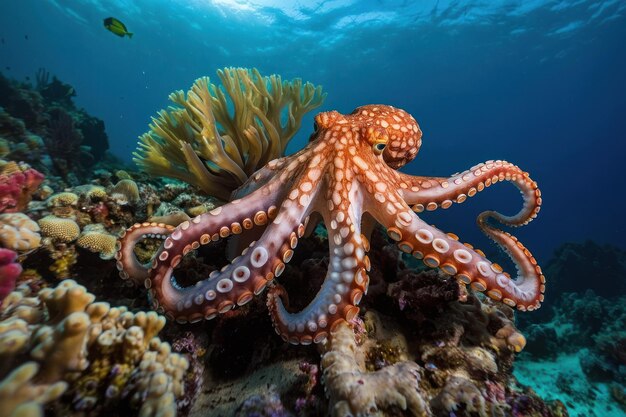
point(267, 404)
point(9, 271)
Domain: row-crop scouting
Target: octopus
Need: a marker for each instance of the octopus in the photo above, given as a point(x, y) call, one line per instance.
point(347, 178)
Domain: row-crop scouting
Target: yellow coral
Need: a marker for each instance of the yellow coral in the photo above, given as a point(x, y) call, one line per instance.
point(98, 242)
point(122, 175)
point(201, 143)
point(92, 192)
point(5, 149)
point(62, 199)
point(18, 232)
point(126, 191)
point(96, 347)
point(59, 229)
point(63, 263)
point(21, 396)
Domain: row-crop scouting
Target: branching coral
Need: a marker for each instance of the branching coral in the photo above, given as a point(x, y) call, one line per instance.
point(104, 358)
point(201, 142)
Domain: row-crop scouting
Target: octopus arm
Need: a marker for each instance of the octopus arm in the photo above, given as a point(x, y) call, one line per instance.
point(344, 284)
point(127, 263)
point(430, 193)
point(223, 289)
point(259, 179)
point(439, 250)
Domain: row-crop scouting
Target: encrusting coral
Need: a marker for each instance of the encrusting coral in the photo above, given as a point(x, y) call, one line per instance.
point(17, 184)
point(95, 239)
point(59, 229)
point(9, 271)
point(18, 232)
point(63, 199)
point(198, 141)
point(353, 391)
point(101, 358)
point(125, 192)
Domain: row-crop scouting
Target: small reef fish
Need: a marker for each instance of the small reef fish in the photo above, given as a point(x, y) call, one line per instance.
point(117, 27)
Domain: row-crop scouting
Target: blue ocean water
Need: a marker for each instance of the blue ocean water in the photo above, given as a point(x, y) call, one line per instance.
point(538, 83)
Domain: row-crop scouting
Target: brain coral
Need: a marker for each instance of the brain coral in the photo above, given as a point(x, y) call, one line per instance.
point(18, 232)
point(59, 229)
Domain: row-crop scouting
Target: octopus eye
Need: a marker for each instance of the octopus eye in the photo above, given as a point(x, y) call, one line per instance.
point(379, 147)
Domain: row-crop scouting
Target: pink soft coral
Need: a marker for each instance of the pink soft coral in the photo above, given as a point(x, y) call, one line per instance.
point(17, 184)
point(9, 271)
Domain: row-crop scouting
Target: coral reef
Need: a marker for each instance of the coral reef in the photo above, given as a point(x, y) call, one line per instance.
point(352, 391)
point(96, 239)
point(202, 143)
point(423, 343)
point(59, 229)
point(42, 126)
point(100, 358)
point(577, 345)
point(18, 232)
point(580, 261)
point(17, 184)
point(9, 271)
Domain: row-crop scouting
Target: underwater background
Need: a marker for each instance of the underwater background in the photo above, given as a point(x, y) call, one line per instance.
point(539, 83)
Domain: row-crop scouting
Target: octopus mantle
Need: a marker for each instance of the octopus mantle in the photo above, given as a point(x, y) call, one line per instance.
point(347, 178)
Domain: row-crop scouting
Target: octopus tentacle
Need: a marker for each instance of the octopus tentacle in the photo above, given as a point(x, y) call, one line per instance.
point(430, 193)
point(344, 285)
point(126, 262)
point(260, 178)
point(248, 274)
point(222, 289)
point(439, 250)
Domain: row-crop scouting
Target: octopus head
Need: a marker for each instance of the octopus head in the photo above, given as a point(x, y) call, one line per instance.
point(392, 133)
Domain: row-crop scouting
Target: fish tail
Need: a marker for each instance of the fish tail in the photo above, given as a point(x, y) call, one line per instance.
point(129, 34)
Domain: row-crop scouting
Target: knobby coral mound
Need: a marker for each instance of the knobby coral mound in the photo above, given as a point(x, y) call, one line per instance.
point(102, 358)
point(9, 271)
point(352, 391)
point(125, 191)
point(201, 142)
point(63, 199)
point(18, 232)
point(17, 184)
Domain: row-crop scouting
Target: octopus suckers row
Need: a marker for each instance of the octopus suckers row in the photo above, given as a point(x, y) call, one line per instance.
point(224, 285)
point(241, 273)
point(259, 256)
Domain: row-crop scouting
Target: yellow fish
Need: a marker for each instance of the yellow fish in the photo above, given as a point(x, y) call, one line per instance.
point(117, 27)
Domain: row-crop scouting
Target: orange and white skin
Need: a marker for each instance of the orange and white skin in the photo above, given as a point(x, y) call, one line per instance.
point(346, 177)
